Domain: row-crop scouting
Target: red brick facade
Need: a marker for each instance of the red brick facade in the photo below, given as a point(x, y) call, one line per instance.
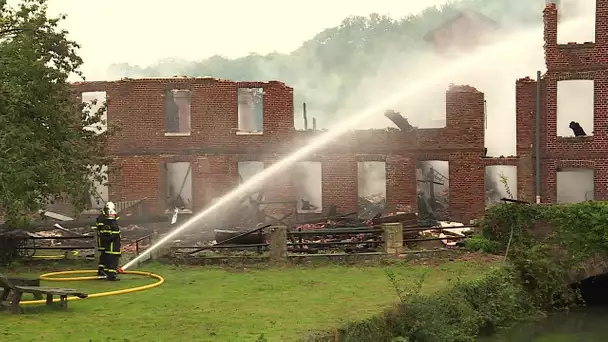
point(586, 61)
point(214, 147)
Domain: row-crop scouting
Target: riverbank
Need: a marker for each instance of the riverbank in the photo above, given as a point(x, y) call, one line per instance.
point(586, 324)
point(459, 313)
point(547, 252)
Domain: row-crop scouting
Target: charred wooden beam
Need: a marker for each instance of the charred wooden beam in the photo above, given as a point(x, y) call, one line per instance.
point(305, 117)
point(510, 200)
point(399, 120)
point(405, 217)
point(326, 218)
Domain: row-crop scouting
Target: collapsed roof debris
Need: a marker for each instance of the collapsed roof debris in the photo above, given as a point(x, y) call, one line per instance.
point(372, 206)
point(399, 120)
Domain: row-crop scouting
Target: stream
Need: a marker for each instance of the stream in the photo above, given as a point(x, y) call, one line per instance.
point(588, 324)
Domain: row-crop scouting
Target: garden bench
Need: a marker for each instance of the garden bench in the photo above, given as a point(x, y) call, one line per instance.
point(26, 282)
point(19, 290)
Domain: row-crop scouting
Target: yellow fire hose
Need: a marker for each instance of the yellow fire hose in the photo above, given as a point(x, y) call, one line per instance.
point(49, 277)
point(49, 257)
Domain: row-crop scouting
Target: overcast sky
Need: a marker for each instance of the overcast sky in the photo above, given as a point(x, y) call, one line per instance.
point(144, 31)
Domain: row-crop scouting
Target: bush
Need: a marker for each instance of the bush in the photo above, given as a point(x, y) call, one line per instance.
point(478, 243)
point(548, 242)
point(460, 314)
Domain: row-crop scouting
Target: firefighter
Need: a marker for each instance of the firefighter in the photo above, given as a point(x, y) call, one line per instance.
point(109, 235)
point(100, 246)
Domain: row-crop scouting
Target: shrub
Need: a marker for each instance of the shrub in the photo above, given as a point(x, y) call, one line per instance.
point(478, 243)
point(459, 314)
point(546, 242)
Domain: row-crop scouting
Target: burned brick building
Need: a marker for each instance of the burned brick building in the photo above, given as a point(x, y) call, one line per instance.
point(186, 141)
point(228, 132)
point(575, 81)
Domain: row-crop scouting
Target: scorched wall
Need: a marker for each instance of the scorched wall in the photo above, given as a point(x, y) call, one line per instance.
point(572, 61)
point(214, 146)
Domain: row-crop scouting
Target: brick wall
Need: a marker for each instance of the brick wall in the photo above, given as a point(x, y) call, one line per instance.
point(573, 61)
point(525, 97)
point(137, 106)
point(576, 55)
point(213, 147)
point(141, 148)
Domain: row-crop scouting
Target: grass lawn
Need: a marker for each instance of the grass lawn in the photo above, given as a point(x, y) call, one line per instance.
point(211, 304)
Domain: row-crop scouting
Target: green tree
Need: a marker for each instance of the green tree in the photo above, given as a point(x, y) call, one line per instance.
point(45, 151)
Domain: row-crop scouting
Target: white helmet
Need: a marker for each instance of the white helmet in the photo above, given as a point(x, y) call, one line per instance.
point(109, 209)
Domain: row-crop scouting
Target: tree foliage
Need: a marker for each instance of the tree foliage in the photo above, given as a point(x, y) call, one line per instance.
point(547, 243)
point(44, 150)
point(327, 69)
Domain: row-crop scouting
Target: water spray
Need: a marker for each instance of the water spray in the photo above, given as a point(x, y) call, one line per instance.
point(481, 56)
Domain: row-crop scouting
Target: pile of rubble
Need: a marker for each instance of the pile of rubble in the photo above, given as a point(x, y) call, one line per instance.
point(82, 238)
point(351, 241)
point(333, 223)
point(446, 234)
point(132, 228)
point(131, 247)
point(372, 206)
point(316, 226)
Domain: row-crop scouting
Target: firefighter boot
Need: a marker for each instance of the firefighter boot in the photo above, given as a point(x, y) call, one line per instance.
point(112, 276)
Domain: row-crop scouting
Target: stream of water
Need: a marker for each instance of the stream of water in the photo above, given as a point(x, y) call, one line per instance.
point(582, 325)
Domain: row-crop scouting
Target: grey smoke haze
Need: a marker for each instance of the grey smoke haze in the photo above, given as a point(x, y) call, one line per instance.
point(248, 169)
point(371, 179)
point(141, 32)
point(179, 183)
point(307, 181)
point(496, 79)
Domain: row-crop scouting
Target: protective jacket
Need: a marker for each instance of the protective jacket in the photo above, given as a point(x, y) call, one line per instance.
point(109, 234)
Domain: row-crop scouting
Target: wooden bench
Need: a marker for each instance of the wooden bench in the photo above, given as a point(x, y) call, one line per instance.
point(18, 292)
point(27, 282)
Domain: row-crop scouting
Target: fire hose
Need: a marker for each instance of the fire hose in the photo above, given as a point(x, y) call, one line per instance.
point(51, 277)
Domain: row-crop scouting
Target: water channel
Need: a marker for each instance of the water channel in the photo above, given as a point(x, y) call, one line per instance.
point(584, 325)
point(587, 324)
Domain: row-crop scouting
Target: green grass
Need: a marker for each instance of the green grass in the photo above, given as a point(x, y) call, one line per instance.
point(211, 304)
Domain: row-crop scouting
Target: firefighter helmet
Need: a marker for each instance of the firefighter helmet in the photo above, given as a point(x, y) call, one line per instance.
point(109, 210)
